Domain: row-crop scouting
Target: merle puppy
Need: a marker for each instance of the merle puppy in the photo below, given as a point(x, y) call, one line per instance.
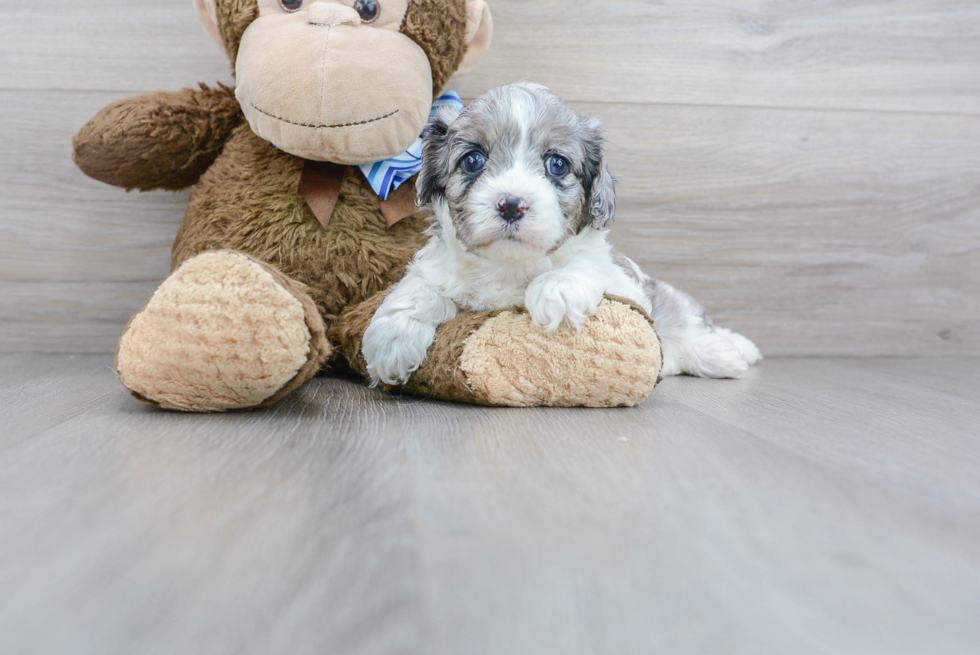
point(521, 200)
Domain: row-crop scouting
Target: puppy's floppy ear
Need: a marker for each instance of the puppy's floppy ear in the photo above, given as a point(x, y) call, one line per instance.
point(435, 156)
point(600, 185)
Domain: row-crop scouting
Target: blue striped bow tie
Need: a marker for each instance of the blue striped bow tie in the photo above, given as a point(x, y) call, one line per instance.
point(387, 175)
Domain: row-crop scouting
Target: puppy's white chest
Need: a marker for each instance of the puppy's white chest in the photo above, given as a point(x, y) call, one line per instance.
point(487, 287)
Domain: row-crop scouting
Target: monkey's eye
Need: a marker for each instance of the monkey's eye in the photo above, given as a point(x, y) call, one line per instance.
point(368, 10)
point(289, 6)
point(474, 162)
point(557, 166)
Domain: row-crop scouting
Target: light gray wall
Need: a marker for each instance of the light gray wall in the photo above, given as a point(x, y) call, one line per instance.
point(810, 170)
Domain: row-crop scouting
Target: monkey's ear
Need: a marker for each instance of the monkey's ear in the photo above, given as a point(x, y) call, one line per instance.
point(479, 32)
point(435, 156)
point(207, 11)
point(599, 182)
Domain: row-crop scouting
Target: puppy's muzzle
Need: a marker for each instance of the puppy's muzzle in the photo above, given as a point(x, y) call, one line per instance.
point(511, 208)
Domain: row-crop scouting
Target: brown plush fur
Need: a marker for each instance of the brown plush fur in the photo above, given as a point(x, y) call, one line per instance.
point(439, 27)
point(350, 260)
point(234, 17)
point(158, 140)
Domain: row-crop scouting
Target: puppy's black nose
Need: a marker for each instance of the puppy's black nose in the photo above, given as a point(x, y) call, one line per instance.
point(511, 209)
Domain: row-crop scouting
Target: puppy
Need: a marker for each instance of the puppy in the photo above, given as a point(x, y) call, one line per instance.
point(521, 200)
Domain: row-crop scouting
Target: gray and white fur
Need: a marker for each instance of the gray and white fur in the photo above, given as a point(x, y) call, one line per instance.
point(522, 200)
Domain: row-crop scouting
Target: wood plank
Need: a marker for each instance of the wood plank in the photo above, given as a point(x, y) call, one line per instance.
point(50, 207)
point(818, 506)
point(116, 45)
point(77, 257)
point(663, 529)
point(69, 317)
point(818, 233)
point(883, 420)
point(953, 377)
point(815, 233)
point(287, 531)
point(30, 386)
point(920, 55)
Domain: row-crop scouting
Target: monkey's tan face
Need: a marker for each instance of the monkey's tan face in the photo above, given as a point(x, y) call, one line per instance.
point(334, 80)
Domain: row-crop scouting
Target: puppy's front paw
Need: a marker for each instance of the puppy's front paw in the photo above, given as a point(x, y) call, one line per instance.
point(394, 348)
point(558, 296)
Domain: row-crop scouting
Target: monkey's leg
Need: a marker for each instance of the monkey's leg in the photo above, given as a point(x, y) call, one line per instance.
point(223, 332)
point(501, 358)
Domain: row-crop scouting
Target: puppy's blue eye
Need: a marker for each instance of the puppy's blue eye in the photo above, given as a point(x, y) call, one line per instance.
point(557, 166)
point(474, 162)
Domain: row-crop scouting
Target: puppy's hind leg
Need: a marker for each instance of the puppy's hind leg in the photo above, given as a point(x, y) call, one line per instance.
point(692, 345)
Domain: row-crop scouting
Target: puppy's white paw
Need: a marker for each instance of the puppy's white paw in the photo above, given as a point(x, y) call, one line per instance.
point(748, 350)
point(395, 347)
point(557, 297)
point(718, 354)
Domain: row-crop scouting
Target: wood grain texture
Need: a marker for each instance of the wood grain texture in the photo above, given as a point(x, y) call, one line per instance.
point(817, 506)
point(813, 232)
point(809, 171)
point(921, 55)
point(842, 233)
point(262, 533)
point(77, 258)
point(100, 45)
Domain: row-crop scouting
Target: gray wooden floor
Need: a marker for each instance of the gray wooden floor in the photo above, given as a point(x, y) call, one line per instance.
point(818, 506)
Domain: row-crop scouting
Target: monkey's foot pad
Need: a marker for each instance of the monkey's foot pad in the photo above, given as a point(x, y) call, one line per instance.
point(224, 332)
point(613, 361)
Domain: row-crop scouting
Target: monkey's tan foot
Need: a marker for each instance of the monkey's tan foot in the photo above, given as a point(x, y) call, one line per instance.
point(502, 358)
point(223, 332)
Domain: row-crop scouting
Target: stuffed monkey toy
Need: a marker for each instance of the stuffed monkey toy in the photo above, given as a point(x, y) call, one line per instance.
point(287, 248)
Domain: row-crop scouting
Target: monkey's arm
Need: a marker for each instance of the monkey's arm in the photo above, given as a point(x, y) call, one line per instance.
point(158, 140)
